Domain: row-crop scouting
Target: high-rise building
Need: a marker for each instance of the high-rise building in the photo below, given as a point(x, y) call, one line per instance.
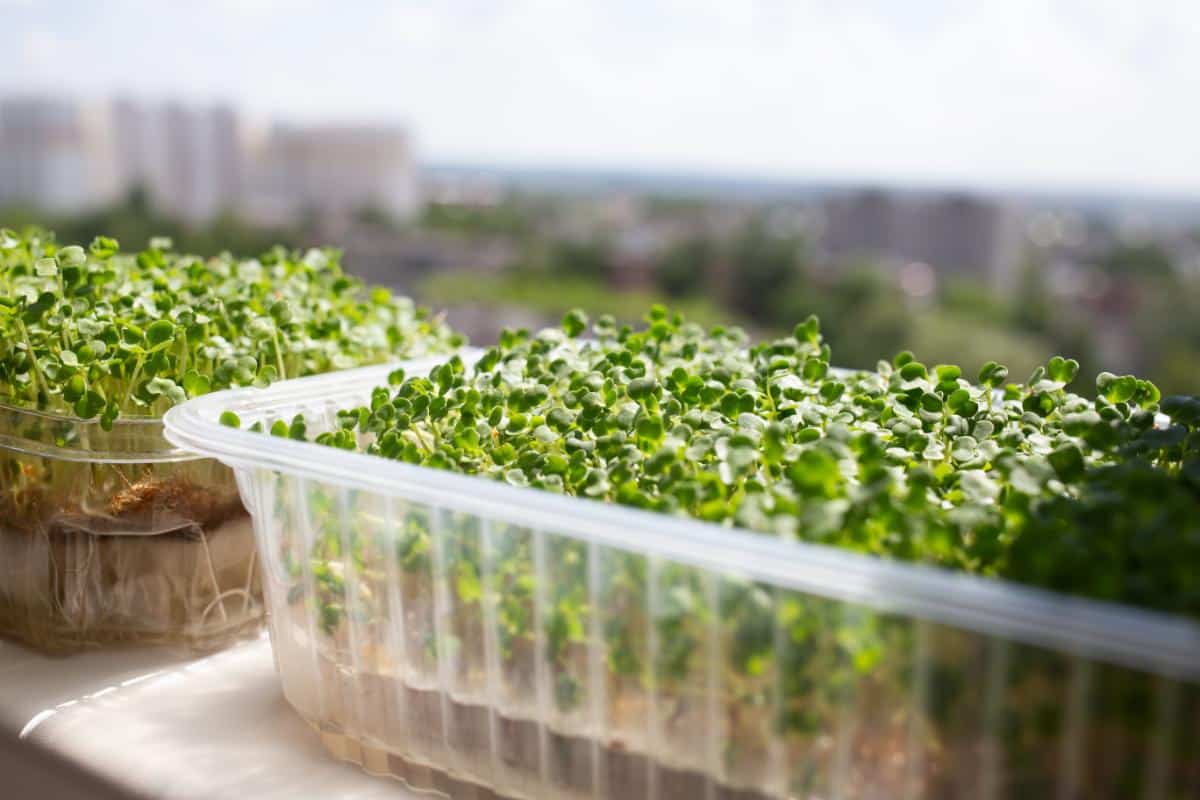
point(140, 148)
point(861, 223)
point(53, 154)
point(189, 160)
point(955, 233)
point(194, 162)
point(333, 170)
point(66, 157)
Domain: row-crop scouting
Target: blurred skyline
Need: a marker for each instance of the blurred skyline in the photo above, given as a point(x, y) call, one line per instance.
point(1018, 95)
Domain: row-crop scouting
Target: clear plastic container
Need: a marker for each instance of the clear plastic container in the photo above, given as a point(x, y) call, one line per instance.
point(119, 537)
point(477, 639)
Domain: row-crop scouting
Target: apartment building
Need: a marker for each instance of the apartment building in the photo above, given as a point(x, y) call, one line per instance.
point(332, 170)
point(55, 155)
point(196, 161)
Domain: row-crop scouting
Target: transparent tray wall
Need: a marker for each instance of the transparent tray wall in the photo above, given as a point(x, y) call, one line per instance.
point(476, 639)
point(118, 537)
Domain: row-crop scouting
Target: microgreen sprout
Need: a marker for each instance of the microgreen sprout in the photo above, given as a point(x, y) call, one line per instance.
point(906, 461)
point(98, 333)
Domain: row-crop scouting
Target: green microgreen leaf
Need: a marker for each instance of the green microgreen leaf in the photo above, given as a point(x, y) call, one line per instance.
point(146, 331)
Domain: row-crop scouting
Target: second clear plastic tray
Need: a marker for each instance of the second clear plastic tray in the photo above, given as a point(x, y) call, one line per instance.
point(474, 638)
point(117, 537)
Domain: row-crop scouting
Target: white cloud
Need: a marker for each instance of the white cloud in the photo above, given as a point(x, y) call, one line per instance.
point(42, 49)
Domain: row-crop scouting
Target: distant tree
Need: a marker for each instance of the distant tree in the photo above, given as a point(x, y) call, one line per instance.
point(1032, 307)
point(133, 222)
point(1167, 328)
point(372, 215)
point(674, 206)
point(137, 201)
point(229, 232)
point(1035, 312)
point(863, 314)
point(591, 259)
point(683, 269)
point(511, 216)
point(972, 297)
point(1137, 260)
point(762, 269)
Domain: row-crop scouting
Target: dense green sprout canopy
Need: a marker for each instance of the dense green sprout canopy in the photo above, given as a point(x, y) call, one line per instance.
point(96, 332)
point(1021, 480)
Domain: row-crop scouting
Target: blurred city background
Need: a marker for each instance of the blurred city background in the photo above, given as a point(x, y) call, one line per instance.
point(1006, 182)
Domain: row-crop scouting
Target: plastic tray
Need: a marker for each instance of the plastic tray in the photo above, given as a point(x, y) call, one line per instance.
point(119, 537)
point(474, 638)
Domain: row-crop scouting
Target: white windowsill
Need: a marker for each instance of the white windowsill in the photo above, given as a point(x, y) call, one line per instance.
point(158, 725)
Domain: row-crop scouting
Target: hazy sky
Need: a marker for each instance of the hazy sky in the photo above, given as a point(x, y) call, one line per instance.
point(1080, 93)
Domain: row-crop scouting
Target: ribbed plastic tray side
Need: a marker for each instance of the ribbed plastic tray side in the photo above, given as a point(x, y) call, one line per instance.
point(459, 634)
